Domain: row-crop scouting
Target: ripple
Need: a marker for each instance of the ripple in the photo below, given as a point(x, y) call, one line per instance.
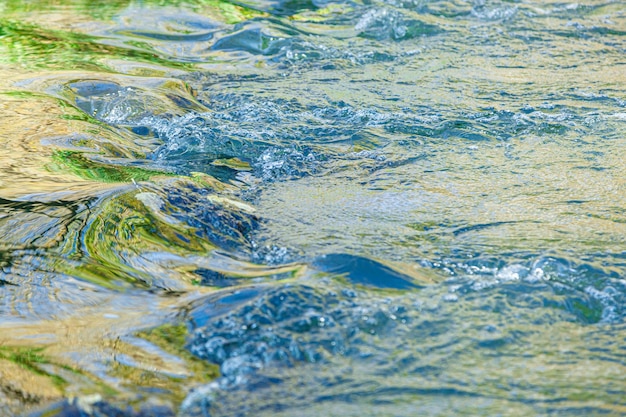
point(328, 342)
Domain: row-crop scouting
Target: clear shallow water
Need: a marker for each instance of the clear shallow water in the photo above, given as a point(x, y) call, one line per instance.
point(382, 208)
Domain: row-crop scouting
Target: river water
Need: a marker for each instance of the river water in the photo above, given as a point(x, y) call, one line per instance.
point(309, 207)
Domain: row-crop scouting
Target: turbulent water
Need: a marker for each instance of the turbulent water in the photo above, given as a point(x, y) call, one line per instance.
point(312, 208)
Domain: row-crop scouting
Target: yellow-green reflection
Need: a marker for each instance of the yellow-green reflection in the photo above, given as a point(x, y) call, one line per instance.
point(172, 340)
point(77, 163)
point(32, 47)
point(75, 10)
point(31, 377)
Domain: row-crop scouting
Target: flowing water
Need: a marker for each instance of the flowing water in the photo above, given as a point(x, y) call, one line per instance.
point(310, 207)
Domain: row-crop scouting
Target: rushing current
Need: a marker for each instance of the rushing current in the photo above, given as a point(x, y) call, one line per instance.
point(312, 208)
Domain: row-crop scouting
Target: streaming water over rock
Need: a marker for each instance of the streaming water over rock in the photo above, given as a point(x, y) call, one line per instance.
point(351, 208)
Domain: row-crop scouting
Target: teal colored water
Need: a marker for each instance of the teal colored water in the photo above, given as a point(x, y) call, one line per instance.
point(359, 208)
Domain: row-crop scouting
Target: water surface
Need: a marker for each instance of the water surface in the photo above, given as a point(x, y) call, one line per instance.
point(313, 208)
